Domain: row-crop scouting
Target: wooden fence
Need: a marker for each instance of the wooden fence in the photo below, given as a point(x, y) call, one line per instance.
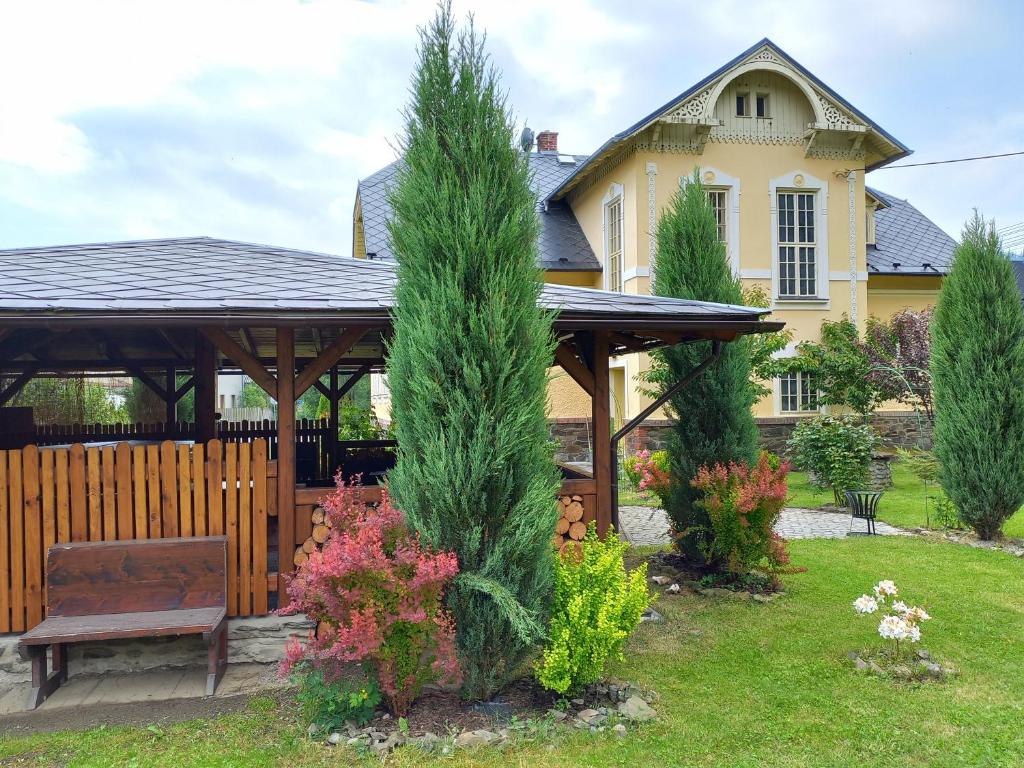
point(56, 495)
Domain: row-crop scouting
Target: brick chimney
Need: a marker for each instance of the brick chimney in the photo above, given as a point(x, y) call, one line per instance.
point(547, 141)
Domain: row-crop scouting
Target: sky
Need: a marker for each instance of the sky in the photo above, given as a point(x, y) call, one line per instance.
point(254, 120)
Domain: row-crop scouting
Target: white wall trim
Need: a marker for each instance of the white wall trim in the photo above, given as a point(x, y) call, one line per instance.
point(714, 178)
point(756, 274)
point(614, 190)
point(634, 272)
point(862, 276)
point(652, 217)
point(800, 181)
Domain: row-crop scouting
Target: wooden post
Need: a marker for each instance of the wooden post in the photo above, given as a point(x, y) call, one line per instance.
point(285, 452)
point(601, 415)
point(334, 422)
point(206, 389)
point(171, 400)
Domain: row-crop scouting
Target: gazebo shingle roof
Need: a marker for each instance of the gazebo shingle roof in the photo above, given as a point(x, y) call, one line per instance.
point(212, 275)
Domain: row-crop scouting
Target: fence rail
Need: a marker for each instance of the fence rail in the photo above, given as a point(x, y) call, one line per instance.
point(58, 495)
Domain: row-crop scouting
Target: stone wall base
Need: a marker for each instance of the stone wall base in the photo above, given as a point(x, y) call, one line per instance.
point(259, 640)
point(898, 429)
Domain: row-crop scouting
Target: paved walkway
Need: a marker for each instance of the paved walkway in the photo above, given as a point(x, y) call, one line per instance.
point(153, 685)
point(649, 525)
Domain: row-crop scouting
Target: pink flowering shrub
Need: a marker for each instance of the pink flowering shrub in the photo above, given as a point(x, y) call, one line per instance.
point(650, 473)
point(376, 593)
point(744, 503)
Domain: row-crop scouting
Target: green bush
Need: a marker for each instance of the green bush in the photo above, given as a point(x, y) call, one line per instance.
point(835, 451)
point(327, 704)
point(597, 605)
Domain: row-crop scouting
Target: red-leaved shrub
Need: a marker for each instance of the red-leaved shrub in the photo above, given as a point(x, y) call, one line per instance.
point(744, 504)
point(376, 592)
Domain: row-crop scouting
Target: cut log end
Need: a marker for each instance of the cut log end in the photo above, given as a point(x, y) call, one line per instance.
point(577, 531)
point(320, 533)
point(574, 511)
point(562, 525)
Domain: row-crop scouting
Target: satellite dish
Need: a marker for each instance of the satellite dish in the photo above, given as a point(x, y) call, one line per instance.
point(526, 139)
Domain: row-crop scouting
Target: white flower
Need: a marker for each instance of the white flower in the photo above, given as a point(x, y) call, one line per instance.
point(913, 633)
point(865, 604)
point(893, 628)
point(885, 588)
point(915, 615)
point(900, 607)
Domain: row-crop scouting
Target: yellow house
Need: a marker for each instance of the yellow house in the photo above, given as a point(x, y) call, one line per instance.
point(783, 158)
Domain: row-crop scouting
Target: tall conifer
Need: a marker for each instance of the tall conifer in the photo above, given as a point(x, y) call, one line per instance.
point(712, 415)
point(977, 371)
point(469, 355)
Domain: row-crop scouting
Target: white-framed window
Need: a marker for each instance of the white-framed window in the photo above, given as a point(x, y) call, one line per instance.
point(761, 106)
point(719, 200)
point(798, 244)
point(723, 193)
point(799, 241)
point(797, 393)
point(742, 104)
point(614, 240)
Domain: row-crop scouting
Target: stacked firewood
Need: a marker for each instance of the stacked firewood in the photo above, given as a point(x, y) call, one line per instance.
point(570, 528)
point(321, 530)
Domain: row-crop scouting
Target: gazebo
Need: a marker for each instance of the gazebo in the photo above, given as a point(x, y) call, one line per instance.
point(160, 310)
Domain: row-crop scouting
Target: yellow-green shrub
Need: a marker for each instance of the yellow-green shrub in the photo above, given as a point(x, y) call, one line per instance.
point(596, 607)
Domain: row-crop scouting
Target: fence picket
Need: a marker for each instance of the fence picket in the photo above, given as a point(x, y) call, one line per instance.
point(33, 536)
point(5, 579)
point(17, 521)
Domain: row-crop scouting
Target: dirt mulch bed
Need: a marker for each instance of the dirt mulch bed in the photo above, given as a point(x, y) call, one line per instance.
point(442, 712)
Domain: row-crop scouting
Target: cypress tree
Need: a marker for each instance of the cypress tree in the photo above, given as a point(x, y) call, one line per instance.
point(469, 355)
point(712, 415)
point(977, 368)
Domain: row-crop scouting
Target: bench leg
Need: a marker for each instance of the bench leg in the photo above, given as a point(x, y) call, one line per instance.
point(44, 684)
point(218, 659)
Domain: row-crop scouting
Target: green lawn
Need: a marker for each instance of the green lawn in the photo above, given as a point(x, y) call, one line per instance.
point(902, 505)
point(742, 684)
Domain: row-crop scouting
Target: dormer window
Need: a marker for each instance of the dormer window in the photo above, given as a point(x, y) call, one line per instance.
point(742, 104)
point(762, 105)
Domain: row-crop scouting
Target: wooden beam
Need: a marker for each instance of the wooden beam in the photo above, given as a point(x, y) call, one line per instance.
point(334, 421)
point(15, 386)
point(352, 381)
point(628, 341)
point(181, 391)
point(285, 452)
point(328, 358)
point(565, 356)
point(601, 412)
point(149, 381)
point(170, 401)
point(252, 367)
point(173, 344)
point(250, 341)
point(206, 389)
point(320, 387)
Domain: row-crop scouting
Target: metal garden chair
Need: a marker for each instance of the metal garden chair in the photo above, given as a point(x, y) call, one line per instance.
point(863, 505)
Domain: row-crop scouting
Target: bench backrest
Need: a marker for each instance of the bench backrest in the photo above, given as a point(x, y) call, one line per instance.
point(107, 577)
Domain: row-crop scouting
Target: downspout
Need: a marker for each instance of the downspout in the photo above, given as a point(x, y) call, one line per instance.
point(629, 426)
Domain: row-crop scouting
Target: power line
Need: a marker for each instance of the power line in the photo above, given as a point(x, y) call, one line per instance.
point(944, 162)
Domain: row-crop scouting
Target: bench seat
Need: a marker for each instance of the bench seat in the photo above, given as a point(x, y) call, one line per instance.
point(77, 629)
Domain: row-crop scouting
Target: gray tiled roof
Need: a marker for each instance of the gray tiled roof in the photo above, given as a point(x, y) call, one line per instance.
point(561, 245)
point(905, 236)
point(207, 275)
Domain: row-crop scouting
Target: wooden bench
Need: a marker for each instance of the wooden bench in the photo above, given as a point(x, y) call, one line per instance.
point(120, 589)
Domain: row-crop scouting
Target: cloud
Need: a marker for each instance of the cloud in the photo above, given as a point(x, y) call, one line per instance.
point(253, 119)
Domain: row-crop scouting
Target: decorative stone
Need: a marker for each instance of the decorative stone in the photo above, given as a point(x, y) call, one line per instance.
point(557, 715)
point(473, 739)
point(661, 580)
point(334, 738)
point(651, 615)
point(591, 717)
point(619, 730)
point(428, 741)
point(717, 592)
point(673, 589)
point(636, 709)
